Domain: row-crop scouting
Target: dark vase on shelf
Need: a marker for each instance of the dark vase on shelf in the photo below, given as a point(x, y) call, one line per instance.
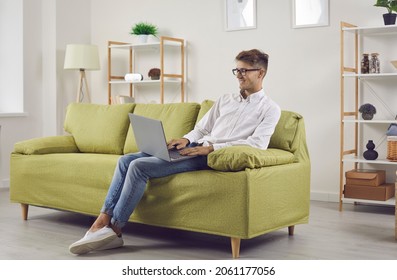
point(370, 154)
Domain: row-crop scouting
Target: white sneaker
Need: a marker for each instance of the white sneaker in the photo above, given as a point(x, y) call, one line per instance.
point(93, 240)
point(115, 243)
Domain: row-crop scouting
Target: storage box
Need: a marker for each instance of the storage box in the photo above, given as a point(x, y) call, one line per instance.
point(365, 177)
point(383, 192)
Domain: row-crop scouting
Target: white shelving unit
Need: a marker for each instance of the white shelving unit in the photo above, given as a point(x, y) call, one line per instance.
point(156, 47)
point(353, 156)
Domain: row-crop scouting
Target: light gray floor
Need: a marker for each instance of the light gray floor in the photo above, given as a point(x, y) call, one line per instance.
point(359, 232)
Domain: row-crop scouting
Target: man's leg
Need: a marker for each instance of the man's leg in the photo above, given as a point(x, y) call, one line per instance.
point(139, 172)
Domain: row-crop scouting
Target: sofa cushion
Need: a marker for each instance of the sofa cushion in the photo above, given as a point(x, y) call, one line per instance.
point(98, 128)
point(284, 133)
point(177, 118)
point(204, 108)
point(236, 158)
point(46, 145)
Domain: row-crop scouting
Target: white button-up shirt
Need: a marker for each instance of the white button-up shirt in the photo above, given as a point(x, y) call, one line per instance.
point(234, 120)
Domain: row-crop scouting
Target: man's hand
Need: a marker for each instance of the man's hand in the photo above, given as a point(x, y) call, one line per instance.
point(197, 151)
point(177, 143)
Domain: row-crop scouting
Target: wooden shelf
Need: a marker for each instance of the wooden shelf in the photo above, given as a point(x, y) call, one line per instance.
point(391, 201)
point(369, 76)
point(372, 30)
point(350, 158)
point(158, 48)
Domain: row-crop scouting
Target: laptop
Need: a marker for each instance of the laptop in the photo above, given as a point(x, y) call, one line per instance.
point(150, 138)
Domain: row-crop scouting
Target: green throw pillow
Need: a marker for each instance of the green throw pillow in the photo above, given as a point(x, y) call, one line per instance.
point(236, 158)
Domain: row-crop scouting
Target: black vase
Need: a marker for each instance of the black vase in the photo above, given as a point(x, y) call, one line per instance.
point(389, 18)
point(370, 154)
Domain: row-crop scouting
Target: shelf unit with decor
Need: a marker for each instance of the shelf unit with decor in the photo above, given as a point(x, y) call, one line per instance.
point(351, 140)
point(165, 77)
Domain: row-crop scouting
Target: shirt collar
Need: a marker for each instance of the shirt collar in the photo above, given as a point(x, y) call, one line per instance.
point(253, 97)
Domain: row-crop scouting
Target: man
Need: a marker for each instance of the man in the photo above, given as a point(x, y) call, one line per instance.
point(247, 118)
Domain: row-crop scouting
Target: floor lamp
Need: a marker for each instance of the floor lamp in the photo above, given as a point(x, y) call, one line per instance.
point(82, 57)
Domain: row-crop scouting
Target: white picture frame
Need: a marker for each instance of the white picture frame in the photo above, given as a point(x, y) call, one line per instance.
point(310, 13)
point(240, 14)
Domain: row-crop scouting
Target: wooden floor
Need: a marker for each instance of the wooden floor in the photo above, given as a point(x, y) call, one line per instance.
point(359, 232)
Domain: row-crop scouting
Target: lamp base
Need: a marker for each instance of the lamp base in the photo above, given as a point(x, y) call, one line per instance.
point(80, 92)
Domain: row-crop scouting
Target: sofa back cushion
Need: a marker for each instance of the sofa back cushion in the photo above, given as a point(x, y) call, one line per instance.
point(177, 118)
point(206, 105)
point(285, 131)
point(98, 128)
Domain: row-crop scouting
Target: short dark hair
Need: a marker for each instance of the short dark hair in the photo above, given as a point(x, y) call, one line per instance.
point(254, 58)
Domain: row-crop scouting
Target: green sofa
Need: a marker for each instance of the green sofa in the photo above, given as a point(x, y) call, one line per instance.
point(248, 193)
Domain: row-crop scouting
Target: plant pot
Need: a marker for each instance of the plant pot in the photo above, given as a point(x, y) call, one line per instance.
point(142, 39)
point(389, 18)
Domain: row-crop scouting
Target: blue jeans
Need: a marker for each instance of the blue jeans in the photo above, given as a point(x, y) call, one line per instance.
point(130, 179)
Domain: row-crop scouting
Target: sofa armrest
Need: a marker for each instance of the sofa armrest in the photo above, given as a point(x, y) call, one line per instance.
point(47, 145)
point(238, 158)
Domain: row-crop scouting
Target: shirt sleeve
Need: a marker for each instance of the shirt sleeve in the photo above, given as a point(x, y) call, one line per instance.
point(205, 125)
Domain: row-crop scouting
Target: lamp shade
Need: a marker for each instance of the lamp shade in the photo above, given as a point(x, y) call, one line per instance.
point(81, 57)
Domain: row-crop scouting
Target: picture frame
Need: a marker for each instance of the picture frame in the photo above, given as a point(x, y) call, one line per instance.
point(310, 13)
point(240, 15)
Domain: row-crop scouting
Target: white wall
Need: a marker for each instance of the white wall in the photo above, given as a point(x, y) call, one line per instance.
point(303, 72)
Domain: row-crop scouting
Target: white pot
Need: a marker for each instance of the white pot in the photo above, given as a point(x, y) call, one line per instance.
point(153, 39)
point(142, 39)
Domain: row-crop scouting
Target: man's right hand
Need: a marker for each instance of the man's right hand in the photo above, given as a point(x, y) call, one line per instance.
point(178, 143)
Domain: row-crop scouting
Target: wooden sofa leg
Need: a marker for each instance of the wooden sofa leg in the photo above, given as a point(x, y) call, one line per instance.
point(25, 208)
point(291, 230)
point(235, 242)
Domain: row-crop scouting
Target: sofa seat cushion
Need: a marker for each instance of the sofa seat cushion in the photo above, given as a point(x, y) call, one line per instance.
point(98, 128)
point(238, 158)
point(46, 145)
point(177, 118)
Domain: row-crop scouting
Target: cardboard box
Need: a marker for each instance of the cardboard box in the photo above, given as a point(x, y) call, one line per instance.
point(382, 193)
point(365, 177)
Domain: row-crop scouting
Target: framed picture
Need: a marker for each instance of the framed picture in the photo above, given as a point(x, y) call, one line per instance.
point(240, 14)
point(310, 13)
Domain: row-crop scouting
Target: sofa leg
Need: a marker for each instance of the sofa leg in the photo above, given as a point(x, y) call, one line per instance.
point(291, 230)
point(25, 208)
point(235, 242)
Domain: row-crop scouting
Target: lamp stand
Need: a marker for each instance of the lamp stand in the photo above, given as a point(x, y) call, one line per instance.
point(80, 92)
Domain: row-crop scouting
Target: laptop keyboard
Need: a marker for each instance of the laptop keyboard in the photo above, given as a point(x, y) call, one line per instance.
point(174, 154)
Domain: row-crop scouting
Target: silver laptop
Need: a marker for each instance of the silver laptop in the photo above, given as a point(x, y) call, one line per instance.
point(150, 138)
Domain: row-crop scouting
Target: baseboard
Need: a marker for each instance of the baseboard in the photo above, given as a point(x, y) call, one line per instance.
point(5, 184)
point(324, 196)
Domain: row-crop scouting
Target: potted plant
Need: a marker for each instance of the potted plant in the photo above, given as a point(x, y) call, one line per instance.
point(143, 30)
point(391, 6)
point(367, 111)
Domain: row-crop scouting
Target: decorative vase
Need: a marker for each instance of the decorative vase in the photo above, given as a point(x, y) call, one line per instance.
point(389, 18)
point(374, 65)
point(365, 64)
point(367, 116)
point(370, 154)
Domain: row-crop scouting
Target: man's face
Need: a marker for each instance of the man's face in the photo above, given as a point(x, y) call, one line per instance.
point(252, 80)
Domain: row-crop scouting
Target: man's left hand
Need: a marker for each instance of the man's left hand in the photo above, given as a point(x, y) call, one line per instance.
point(197, 151)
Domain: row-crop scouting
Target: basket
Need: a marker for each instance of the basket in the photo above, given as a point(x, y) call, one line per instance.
point(392, 148)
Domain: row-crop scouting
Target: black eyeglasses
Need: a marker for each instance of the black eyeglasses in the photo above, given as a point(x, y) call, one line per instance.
point(243, 71)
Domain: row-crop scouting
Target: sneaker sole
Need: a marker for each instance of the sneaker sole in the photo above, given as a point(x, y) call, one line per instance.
point(86, 247)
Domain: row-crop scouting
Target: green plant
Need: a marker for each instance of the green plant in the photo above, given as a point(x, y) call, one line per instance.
point(144, 28)
point(367, 109)
point(390, 5)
